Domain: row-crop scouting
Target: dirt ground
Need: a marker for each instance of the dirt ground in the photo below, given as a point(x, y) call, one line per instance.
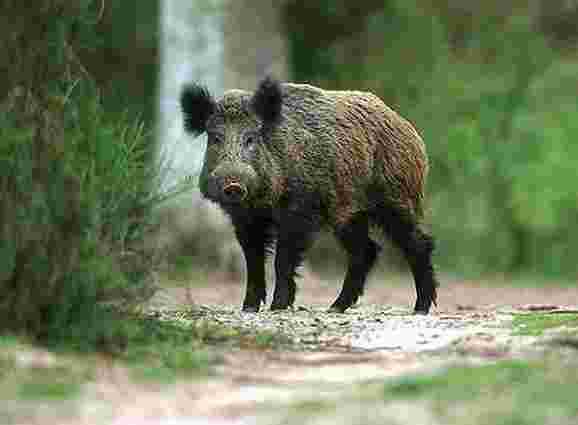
point(378, 340)
point(453, 294)
point(331, 354)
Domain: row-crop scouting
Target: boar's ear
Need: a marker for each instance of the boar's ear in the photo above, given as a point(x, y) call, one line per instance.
point(266, 101)
point(197, 105)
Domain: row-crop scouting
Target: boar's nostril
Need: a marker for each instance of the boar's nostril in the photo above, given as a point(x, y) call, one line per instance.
point(234, 192)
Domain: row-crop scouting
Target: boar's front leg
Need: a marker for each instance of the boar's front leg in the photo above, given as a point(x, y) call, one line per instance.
point(295, 236)
point(254, 236)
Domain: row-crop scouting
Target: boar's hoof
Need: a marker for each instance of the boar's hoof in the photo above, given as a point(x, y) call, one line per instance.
point(336, 309)
point(422, 307)
point(250, 309)
point(279, 306)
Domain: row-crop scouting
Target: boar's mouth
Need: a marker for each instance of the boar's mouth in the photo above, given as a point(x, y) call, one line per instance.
point(226, 191)
point(234, 193)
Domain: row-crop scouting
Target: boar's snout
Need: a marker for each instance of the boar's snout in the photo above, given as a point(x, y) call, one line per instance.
point(228, 187)
point(234, 192)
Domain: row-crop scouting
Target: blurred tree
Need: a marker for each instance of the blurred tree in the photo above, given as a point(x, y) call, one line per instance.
point(314, 28)
point(254, 42)
point(558, 18)
point(124, 60)
point(113, 43)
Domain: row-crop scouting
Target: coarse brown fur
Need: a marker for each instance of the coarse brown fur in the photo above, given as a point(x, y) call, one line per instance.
point(296, 158)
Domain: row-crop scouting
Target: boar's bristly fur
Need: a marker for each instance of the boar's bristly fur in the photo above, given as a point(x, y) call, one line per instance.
point(290, 160)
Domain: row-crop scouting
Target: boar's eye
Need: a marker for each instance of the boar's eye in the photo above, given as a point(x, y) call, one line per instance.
point(214, 139)
point(250, 140)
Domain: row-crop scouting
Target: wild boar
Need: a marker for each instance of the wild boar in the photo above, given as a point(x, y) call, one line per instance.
point(291, 160)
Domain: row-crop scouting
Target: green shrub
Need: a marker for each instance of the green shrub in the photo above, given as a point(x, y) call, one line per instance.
point(78, 189)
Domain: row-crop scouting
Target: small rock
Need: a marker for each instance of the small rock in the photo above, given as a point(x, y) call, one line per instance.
point(35, 359)
point(568, 341)
point(540, 307)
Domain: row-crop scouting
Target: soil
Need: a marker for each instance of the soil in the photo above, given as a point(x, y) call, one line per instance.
point(326, 354)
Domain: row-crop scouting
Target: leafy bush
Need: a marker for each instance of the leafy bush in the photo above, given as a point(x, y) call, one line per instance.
point(78, 190)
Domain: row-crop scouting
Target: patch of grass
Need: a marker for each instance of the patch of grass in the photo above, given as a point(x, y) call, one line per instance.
point(263, 340)
point(183, 271)
point(303, 411)
point(165, 350)
point(461, 383)
point(6, 365)
point(8, 340)
point(507, 392)
point(58, 383)
point(169, 364)
point(161, 349)
point(40, 383)
point(536, 324)
point(155, 348)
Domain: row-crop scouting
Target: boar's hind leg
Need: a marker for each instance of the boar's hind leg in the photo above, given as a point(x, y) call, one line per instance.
point(417, 247)
point(254, 237)
point(294, 238)
point(362, 253)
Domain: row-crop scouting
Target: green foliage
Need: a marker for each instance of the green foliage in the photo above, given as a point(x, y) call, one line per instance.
point(494, 102)
point(48, 384)
point(164, 350)
point(462, 383)
point(264, 339)
point(536, 324)
point(76, 212)
point(159, 349)
point(507, 392)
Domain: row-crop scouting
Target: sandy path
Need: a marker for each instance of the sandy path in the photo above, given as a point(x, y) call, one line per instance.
point(454, 294)
point(368, 344)
point(332, 353)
